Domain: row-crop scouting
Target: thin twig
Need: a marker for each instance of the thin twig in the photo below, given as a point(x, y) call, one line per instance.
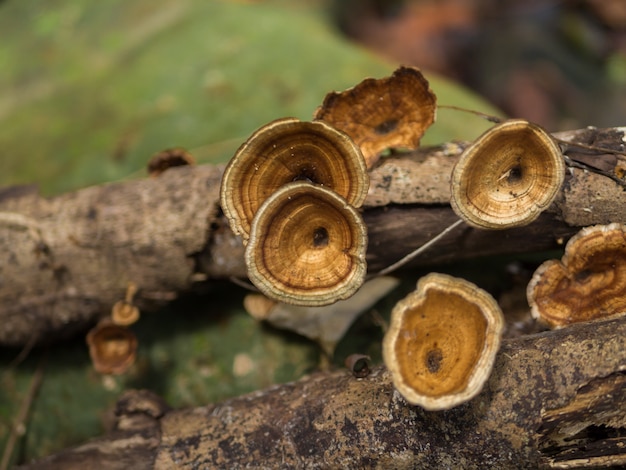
point(24, 352)
point(242, 283)
point(19, 426)
point(485, 116)
point(617, 153)
point(583, 166)
point(419, 250)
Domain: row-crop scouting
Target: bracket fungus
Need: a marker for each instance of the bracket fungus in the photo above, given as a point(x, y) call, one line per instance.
point(287, 150)
point(307, 246)
point(588, 283)
point(507, 177)
point(169, 158)
point(112, 347)
point(442, 342)
point(379, 114)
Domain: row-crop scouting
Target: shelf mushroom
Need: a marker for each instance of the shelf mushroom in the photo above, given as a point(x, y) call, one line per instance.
point(588, 283)
point(112, 347)
point(307, 246)
point(379, 114)
point(287, 150)
point(507, 177)
point(442, 342)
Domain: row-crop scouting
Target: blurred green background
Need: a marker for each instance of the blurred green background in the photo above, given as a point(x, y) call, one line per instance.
point(90, 90)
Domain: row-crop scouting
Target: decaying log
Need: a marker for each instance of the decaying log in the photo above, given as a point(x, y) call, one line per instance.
point(68, 259)
point(554, 400)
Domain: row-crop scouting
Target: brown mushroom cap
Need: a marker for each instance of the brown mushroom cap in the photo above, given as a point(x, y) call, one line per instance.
point(442, 342)
point(507, 177)
point(112, 348)
point(588, 283)
point(392, 112)
point(169, 158)
point(307, 246)
point(284, 151)
point(124, 313)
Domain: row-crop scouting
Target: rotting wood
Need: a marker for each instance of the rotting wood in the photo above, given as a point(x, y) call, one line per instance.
point(69, 258)
point(548, 392)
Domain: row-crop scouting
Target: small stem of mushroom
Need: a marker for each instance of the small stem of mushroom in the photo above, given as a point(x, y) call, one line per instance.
point(488, 117)
point(131, 290)
point(420, 250)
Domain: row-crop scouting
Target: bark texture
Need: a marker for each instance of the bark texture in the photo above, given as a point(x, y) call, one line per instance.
point(554, 400)
point(68, 259)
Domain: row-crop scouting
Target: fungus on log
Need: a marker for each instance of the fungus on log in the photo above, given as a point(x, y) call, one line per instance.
point(379, 114)
point(442, 342)
point(588, 283)
point(307, 246)
point(507, 177)
point(284, 151)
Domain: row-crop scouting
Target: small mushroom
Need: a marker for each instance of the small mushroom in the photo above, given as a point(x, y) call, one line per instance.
point(112, 347)
point(379, 114)
point(258, 306)
point(307, 246)
point(588, 283)
point(284, 151)
point(124, 312)
point(442, 342)
point(507, 177)
point(169, 158)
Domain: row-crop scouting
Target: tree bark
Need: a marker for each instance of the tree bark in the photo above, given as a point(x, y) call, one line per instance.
point(69, 258)
point(554, 400)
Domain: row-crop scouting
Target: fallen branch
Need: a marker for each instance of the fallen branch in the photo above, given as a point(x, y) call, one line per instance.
point(554, 400)
point(69, 258)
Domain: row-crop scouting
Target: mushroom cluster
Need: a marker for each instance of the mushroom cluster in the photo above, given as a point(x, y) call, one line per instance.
point(292, 189)
point(291, 192)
